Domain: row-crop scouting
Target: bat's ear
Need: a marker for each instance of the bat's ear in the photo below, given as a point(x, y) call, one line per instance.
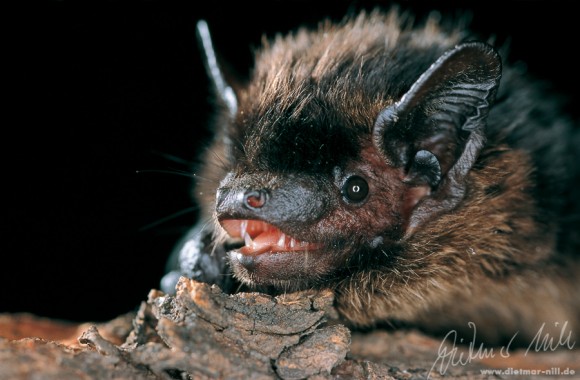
point(223, 90)
point(437, 129)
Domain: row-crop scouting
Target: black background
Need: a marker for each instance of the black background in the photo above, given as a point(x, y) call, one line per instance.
point(103, 91)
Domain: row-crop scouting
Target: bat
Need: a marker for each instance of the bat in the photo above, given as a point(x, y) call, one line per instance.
point(408, 169)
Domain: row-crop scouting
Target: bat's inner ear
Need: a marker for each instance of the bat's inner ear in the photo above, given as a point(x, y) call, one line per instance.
point(439, 124)
point(437, 129)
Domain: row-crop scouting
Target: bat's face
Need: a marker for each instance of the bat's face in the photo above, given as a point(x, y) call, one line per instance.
point(330, 172)
point(305, 220)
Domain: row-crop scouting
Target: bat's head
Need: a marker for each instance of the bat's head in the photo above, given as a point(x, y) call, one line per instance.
point(308, 203)
point(340, 148)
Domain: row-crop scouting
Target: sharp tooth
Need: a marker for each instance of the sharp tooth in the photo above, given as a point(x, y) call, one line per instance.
point(247, 239)
point(243, 228)
point(292, 243)
point(282, 240)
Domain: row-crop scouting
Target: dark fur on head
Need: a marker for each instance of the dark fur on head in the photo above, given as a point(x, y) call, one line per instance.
point(504, 254)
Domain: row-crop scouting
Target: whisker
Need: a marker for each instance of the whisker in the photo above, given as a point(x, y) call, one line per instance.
point(163, 171)
point(206, 223)
point(173, 158)
point(168, 218)
point(196, 176)
point(239, 288)
point(182, 173)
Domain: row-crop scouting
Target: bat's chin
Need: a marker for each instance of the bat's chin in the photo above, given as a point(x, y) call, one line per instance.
point(271, 257)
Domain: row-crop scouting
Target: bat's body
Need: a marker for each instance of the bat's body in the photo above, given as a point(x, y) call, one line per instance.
point(403, 168)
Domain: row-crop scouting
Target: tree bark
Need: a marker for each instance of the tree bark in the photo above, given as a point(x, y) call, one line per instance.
point(202, 333)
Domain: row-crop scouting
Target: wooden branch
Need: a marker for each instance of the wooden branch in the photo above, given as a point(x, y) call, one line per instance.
point(202, 333)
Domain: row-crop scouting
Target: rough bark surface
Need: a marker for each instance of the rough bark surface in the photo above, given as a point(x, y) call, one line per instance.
point(202, 333)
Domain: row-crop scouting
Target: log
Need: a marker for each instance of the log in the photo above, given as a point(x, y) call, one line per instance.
point(202, 333)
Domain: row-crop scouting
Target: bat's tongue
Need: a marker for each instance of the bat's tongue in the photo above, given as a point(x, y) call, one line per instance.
point(261, 237)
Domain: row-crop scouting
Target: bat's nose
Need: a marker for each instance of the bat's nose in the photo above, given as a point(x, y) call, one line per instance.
point(255, 199)
point(278, 201)
point(246, 203)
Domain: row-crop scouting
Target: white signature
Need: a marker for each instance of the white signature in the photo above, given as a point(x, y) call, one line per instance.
point(449, 355)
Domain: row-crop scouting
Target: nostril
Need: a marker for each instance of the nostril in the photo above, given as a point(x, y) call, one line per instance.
point(255, 198)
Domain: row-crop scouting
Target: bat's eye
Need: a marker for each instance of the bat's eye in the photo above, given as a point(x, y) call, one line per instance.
point(355, 189)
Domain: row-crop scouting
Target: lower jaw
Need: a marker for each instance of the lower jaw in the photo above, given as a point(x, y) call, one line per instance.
point(294, 269)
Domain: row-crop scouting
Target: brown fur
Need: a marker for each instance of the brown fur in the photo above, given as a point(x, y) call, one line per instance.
point(502, 258)
point(491, 259)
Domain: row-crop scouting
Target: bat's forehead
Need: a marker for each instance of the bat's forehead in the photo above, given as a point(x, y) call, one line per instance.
point(308, 125)
point(315, 139)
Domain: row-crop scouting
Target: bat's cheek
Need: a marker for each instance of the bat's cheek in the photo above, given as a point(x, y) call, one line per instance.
point(295, 269)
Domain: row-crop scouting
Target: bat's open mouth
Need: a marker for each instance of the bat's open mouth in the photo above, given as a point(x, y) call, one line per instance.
point(261, 237)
